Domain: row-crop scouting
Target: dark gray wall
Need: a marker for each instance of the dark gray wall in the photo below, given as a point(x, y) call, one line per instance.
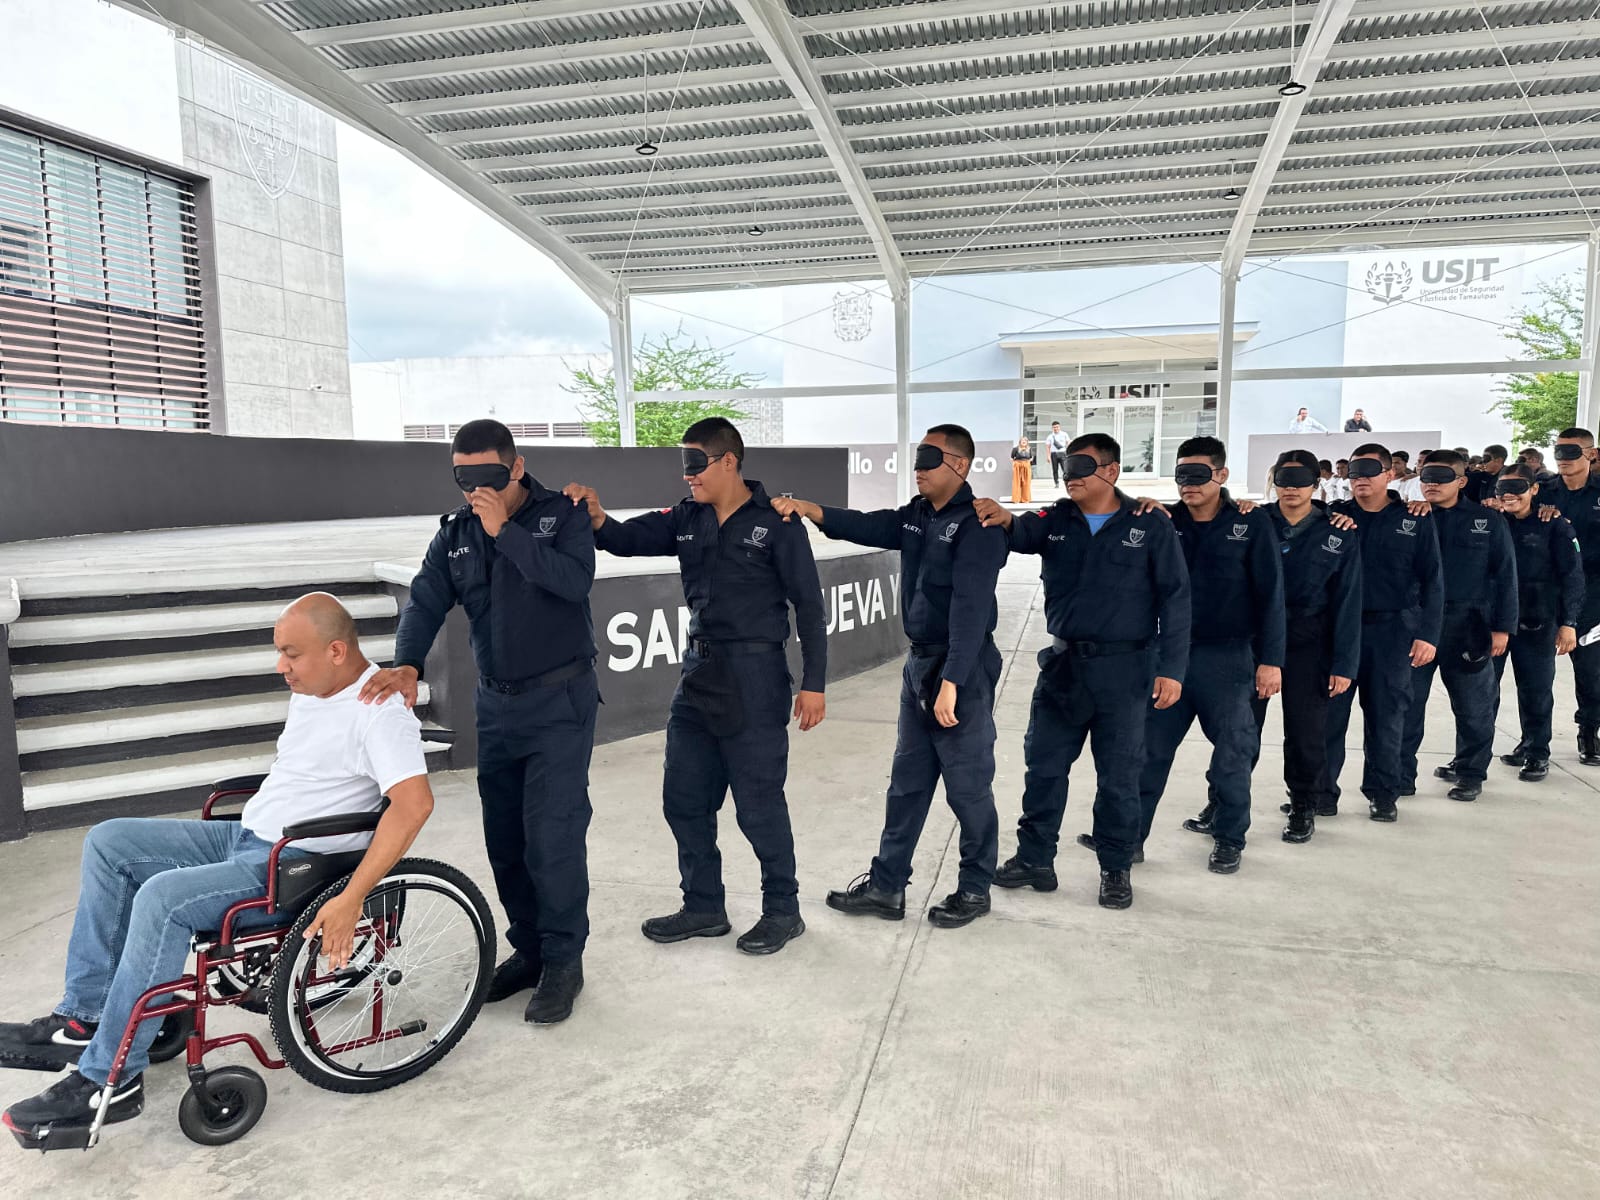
point(58, 481)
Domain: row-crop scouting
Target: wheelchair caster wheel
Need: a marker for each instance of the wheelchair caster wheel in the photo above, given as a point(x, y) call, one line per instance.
point(174, 1035)
point(223, 1107)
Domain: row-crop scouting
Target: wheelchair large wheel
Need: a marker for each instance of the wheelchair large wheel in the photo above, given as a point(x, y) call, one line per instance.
point(424, 954)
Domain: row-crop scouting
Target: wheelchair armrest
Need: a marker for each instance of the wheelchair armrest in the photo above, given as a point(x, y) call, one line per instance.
point(239, 783)
point(332, 826)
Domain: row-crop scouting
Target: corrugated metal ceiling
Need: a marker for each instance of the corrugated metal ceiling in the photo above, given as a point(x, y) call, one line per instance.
point(987, 134)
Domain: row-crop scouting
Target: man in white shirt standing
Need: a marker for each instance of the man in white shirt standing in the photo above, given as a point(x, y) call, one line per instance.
point(1304, 422)
point(148, 884)
point(1056, 445)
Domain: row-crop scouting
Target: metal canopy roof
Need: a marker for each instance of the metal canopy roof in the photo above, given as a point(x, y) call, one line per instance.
point(832, 139)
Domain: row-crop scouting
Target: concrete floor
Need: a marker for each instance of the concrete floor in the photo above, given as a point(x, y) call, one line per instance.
point(1403, 1011)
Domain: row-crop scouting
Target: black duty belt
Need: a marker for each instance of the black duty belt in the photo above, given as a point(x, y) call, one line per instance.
point(515, 687)
point(929, 649)
point(1098, 649)
point(704, 649)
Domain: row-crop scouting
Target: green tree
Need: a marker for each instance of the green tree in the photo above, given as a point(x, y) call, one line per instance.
point(674, 363)
point(1541, 405)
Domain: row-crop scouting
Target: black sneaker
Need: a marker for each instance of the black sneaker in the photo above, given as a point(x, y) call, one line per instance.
point(1300, 827)
point(1086, 840)
point(770, 934)
point(74, 1100)
point(54, 1037)
point(1382, 810)
point(958, 909)
point(1224, 859)
point(683, 925)
point(559, 985)
point(1014, 873)
point(517, 974)
point(862, 899)
point(1533, 770)
point(1201, 822)
point(1466, 790)
point(1116, 889)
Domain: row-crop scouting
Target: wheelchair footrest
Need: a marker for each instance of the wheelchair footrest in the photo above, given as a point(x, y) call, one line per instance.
point(16, 1059)
point(58, 1135)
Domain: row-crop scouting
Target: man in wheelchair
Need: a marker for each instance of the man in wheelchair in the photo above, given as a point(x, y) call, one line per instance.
point(148, 885)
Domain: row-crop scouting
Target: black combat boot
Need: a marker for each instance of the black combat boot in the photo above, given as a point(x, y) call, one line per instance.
point(1534, 769)
point(1224, 859)
point(772, 933)
point(683, 925)
point(1517, 758)
point(862, 899)
point(1589, 746)
point(1201, 822)
point(1300, 827)
point(559, 985)
point(1014, 873)
point(1086, 840)
point(1116, 889)
point(958, 909)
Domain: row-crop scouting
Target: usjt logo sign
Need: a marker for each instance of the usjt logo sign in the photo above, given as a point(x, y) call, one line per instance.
point(1391, 282)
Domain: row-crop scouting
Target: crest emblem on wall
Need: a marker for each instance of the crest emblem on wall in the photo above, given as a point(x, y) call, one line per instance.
point(267, 120)
point(1388, 283)
point(852, 315)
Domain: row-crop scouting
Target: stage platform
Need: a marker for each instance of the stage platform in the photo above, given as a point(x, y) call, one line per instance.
point(1407, 1010)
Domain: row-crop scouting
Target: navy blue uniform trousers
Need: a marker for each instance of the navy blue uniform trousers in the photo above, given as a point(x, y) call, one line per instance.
point(533, 781)
point(1217, 691)
point(1114, 692)
point(1586, 659)
point(705, 762)
point(1472, 702)
point(1384, 682)
point(1533, 662)
point(963, 756)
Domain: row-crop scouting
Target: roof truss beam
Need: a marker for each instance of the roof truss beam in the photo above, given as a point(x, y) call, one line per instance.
point(773, 27)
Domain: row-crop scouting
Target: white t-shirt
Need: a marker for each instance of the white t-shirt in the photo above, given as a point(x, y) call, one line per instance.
point(1410, 489)
point(1056, 442)
point(336, 755)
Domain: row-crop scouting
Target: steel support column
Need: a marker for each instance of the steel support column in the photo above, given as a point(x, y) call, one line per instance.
point(1225, 345)
point(1588, 414)
point(902, 394)
point(622, 371)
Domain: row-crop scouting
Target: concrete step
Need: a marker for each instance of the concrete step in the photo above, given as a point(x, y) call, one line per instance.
point(186, 621)
point(150, 670)
point(146, 776)
point(92, 579)
point(38, 734)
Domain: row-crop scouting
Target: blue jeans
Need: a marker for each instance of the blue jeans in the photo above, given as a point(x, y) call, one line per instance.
point(146, 887)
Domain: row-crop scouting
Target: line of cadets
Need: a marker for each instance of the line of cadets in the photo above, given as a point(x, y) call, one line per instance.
point(1321, 604)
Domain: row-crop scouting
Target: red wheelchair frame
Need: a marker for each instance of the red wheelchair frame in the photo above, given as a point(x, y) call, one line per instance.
point(209, 955)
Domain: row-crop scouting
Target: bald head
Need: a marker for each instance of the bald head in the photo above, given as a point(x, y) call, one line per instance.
point(318, 649)
point(329, 620)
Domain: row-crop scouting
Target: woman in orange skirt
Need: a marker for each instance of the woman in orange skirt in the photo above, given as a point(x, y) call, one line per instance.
point(1022, 457)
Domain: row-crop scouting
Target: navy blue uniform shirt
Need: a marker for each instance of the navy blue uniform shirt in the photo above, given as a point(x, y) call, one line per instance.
point(1399, 564)
point(1550, 584)
point(1582, 509)
point(739, 577)
point(1322, 574)
point(526, 592)
point(1235, 578)
point(1127, 583)
point(949, 564)
point(1480, 563)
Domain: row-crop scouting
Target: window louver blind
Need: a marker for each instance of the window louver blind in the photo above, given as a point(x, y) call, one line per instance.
point(101, 317)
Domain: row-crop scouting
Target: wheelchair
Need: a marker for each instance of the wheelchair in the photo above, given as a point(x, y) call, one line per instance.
point(421, 963)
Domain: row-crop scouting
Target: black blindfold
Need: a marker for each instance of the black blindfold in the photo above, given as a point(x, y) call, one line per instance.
point(1192, 474)
point(1365, 468)
point(1567, 452)
point(483, 475)
point(1081, 466)
point(1438, 474)
point(1294, 475)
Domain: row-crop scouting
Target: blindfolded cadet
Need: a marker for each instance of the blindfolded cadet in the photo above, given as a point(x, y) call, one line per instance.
point(520, 560)
point(1402, 608)
point(1480, 612)
point(1576, 496)
point(948, 567)
point(743, 567)
point(1116, 601)
point(1550, 601)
